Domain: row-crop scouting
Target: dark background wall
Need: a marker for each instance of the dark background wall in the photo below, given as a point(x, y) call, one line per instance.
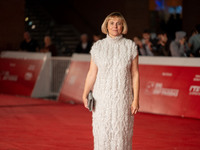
point(11, 23)
point(191, 14)
point(86, 16)
point(135, 12)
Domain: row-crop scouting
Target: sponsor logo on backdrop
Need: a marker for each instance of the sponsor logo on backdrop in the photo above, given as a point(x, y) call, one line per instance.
point(194, 90)
point(156, 88)
point(28, 76)
point(167, 74)
point(196, 77)
point(6, 76)
point(31, 67)
point(12, 64)
point(72, 80)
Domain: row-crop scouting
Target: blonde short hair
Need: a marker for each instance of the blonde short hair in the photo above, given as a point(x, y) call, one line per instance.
point(114, 14)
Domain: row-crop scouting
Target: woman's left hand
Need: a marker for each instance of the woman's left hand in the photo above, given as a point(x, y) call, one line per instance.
point(134, 107)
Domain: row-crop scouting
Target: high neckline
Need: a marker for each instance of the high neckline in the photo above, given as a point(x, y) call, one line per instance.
point(115, 39)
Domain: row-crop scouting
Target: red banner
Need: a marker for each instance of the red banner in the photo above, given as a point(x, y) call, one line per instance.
point(169, 90)
point(73, 85)
point(18, 76)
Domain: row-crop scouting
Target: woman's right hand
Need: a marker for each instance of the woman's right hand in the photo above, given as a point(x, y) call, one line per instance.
point(89, 82)
point(85, 102)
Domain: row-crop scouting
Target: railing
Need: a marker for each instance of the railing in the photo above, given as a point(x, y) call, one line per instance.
point(59, 67)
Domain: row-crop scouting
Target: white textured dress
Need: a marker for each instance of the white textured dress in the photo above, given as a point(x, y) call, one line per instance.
point(112, 119)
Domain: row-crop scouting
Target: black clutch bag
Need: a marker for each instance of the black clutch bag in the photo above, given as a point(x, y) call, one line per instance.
point(90, 101)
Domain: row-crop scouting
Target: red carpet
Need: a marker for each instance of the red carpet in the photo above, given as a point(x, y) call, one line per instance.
point(30, 124)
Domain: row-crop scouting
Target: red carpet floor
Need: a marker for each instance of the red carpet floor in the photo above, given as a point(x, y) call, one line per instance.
point(30, 124)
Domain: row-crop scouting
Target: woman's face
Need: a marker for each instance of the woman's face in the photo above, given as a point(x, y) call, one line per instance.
point(115, 27)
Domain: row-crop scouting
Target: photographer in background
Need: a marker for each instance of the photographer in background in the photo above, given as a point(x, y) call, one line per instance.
point(163, 44)
point(179, 47)
point(194, 42)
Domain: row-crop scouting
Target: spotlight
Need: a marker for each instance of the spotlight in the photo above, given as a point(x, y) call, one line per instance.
point(26, 19)
point(33, 27)
point(30, 23)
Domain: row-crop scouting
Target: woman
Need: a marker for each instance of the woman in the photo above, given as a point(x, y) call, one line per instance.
point(114, 74)
point(48, 46)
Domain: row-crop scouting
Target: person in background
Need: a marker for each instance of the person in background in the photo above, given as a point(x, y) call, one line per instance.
point(194, 42)
point(96, 37)
point(140, 47)
point(163, 44)
point(48, 46)
point(178, 47)
point(29, 44)
point(147, 43)
point(84, 45)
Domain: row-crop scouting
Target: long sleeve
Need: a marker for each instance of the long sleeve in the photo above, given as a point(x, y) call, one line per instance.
point(176, 49)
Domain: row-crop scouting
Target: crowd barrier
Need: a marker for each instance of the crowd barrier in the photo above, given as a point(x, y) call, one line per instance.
point(59, 67)
point(74, 81)
point(168, 85)
point(25, 73)
point(32, 74)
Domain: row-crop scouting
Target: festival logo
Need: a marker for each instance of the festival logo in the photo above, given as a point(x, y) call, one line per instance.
point(156, 88)
point(194, 90)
